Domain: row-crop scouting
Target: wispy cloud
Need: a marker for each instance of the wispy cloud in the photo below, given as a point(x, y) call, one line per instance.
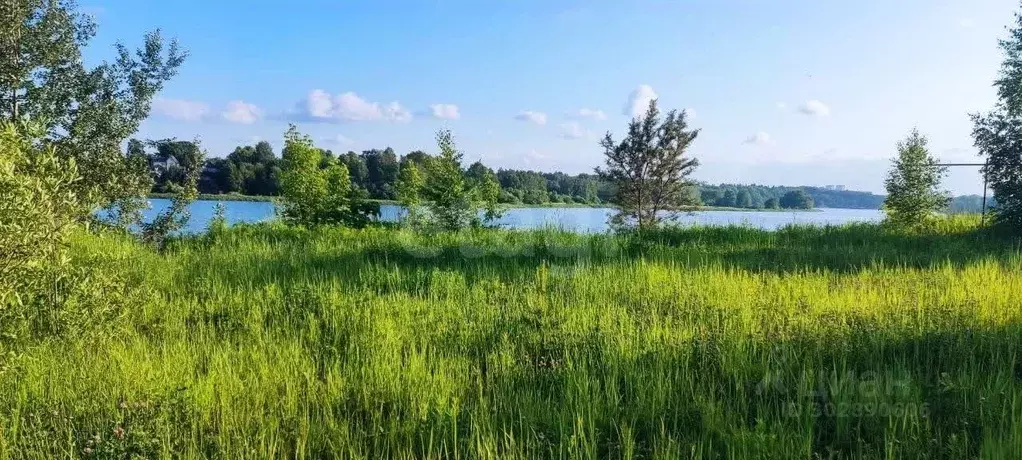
point(760, 138)
point(180, 109)
point(339, 140)
point(814, 108)
point(588, 114)
point(530, 116)
point(573, 130)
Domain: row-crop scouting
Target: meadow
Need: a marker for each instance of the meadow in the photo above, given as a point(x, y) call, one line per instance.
point(263, 341)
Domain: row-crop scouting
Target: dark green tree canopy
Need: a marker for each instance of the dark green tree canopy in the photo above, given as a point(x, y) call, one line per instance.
point(998, 134)
point(796, 199)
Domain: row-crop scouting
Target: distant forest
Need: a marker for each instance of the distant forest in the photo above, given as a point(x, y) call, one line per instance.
point(255, 170)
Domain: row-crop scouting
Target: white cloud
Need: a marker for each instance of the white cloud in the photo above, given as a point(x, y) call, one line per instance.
point(638, 101)
point(966, 23)
point(591, 114)
point(534, 157)
point(322, 106)
point(445, 111)
point(538, 118)
point(761, 138)
point(572, 130)
point(395, 112)
point(782, 106)
point(242, 112)
point(179, 109)
point(814, 108)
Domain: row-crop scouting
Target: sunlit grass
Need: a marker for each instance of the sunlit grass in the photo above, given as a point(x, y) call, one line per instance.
point(269, 342)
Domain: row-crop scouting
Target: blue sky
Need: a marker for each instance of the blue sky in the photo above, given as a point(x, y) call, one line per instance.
point(785, 92)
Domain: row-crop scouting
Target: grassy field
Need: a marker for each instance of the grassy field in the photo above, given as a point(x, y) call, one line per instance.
point(269, 342)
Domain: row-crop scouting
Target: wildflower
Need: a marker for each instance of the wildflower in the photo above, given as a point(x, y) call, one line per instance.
point(87, 451)
point(119, 432)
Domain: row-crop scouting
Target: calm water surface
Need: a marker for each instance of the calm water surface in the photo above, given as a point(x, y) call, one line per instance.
point(576, 219)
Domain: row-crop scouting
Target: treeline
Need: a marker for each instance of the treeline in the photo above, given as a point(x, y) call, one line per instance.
point(970, 204)
point(766, 197)
point(254, 170)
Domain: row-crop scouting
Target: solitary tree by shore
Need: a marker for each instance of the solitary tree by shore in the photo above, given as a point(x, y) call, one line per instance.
point(913, 184)
point(649, 168)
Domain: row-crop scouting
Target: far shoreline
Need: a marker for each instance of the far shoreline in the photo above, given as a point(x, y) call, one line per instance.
point(267, 199)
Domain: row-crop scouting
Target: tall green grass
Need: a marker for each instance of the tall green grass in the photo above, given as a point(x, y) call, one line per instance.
point(271, 342)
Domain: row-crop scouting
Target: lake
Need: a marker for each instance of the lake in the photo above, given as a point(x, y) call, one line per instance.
point(575, 219)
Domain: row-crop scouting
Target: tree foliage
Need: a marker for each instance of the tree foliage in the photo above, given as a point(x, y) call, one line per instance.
point(188, 160)
point(998, 134)
point(796, 199)
point(449, 196)
point(913, 184)
point(42, 293)
point(447, 193)
point(409, 185)
point(649, 169)
point(381, 172)
point(38, 207)
point(87, 113)
point(313, 195)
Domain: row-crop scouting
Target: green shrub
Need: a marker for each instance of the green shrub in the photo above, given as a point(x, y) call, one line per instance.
point(37, 209)
point(450, 199)
point(313, 195)
point(42, 292)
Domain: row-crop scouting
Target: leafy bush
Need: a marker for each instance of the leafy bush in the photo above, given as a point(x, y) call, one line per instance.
point(450, 198)
point(42, 292)
point(37, 209)
point(316, 195)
